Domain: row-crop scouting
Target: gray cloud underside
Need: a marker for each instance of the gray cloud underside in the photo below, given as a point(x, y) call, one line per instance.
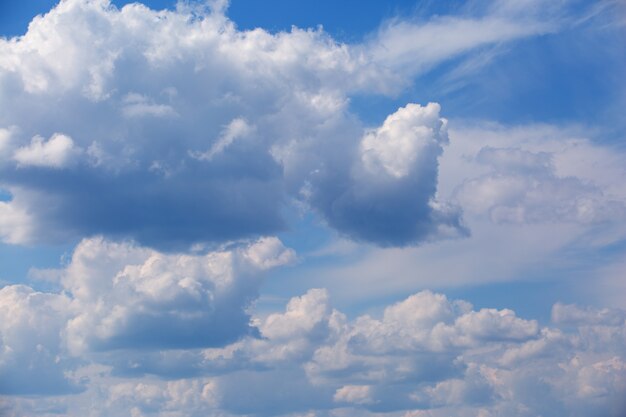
point(124, 123)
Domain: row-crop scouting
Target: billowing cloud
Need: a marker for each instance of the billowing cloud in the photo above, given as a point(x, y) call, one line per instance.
point(57, 152)
point(530, 195)
point(122, 296)
point(387, 195)
point(130, 297)
point(179, 128)
point(425, 354)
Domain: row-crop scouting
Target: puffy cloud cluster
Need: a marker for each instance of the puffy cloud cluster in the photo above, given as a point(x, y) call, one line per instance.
point(128, 297)
point(426, 355)
point(174, 127)
point(387, 195)
point(121, 296)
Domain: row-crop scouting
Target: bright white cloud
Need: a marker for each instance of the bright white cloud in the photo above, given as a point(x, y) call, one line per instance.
point(56, 152)
point(411, 137)
point(167, 116)
point(425, 352)
point(122, 296)
point(126, 296)
point(415, 47)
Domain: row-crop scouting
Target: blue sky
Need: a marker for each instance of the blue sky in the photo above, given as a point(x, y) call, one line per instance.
point(305, 209)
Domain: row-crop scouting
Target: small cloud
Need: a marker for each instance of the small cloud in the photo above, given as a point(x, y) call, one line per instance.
point(354, 394)
point(137, 105)
point(57, 152)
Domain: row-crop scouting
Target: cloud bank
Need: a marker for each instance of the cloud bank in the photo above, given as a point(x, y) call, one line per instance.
point(425, 355)
point(174, 127)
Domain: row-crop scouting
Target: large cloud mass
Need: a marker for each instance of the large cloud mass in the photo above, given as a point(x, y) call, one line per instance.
point(173, 127)
point(425, 355)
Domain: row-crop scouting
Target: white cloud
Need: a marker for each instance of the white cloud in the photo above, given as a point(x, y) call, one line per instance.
point(124, 296)
point(424, 352)
point(57, 152)
point(387, 195)
point(411, 137)
point(154, 97)
point(16, 225)
point(522, 187)
point(561, 191)
point(197, 132)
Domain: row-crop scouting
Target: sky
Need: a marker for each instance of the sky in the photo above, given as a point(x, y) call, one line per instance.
point(312, 209)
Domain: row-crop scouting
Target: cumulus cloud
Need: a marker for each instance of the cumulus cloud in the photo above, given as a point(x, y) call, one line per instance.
point(530, 195)
point(120, 296)
point(16, 226)
point(424, 353)
point(387, 195)
point(126, 296)
point(523, 187)
point(160, 102)
point(178, 128)
point(57, 152)
point(183, 129)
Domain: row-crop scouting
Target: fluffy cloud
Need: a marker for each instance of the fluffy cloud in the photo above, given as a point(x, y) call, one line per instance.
point(16, 226)
point(122, 296)
point(426, 355)
point(530, 195)
point(388, 194)
point(130, 297)
point(158, 101)
point(57, 152)
point(179, 128)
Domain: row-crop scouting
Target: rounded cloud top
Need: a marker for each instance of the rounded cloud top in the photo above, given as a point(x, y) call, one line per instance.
point(174, 127)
